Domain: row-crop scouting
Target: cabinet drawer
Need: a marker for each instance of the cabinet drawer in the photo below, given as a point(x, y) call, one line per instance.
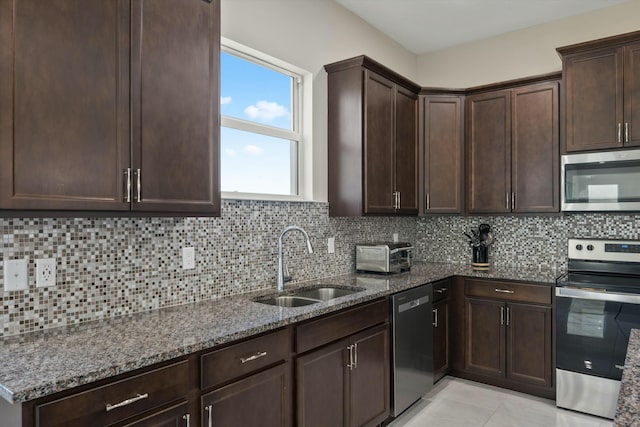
point(322, 331)
point(117, 401)
point(508, 291)
point(239, 359)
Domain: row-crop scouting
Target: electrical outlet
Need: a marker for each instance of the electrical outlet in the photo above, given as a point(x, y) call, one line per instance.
point(396, 237)
point(188, 258)
point(15, 275)
point(331, 245)
point(45, 272)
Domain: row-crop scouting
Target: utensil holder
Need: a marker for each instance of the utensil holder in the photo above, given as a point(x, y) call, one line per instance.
point(480, 257)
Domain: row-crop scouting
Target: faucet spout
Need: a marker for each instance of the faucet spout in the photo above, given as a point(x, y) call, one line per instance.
point(281, 268)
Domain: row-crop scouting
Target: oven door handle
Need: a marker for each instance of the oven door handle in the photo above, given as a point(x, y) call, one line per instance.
point(597, 295)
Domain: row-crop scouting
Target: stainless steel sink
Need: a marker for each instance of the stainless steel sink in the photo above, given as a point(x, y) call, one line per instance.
point(308, 296)
point(286, 301)
point(325, 293)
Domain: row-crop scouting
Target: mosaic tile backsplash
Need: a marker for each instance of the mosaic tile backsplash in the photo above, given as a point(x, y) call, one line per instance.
point(113, 266)
point(108, 267)
point(532, 242)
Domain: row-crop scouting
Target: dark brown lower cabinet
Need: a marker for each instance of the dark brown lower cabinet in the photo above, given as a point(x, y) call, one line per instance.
point(262, 399)
point(175, 416)
point(509, 340)
point(441, 346)
point(345, 383)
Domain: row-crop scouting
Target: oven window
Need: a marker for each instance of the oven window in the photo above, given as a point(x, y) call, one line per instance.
point(607, 182)
point(586, 318)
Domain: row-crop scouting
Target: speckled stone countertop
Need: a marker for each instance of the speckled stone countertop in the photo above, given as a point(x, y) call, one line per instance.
point(628, 409)
point(41, 363)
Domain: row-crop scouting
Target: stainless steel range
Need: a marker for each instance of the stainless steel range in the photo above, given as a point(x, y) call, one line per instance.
point(597, 304)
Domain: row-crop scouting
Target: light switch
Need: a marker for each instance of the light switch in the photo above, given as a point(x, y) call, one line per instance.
point(15, 275)
point(188, 258)
point(331, 245)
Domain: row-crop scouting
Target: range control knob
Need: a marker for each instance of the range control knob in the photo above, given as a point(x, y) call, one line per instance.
point(579, 247)
point(589, 247)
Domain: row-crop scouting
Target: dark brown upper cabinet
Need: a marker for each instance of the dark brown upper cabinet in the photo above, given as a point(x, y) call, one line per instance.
point(373, 141)
point(442, 140)
point(97, 115)
point(512, 146)
point(602, 93)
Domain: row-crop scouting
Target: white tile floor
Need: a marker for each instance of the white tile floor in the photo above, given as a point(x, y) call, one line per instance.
point(455, 402)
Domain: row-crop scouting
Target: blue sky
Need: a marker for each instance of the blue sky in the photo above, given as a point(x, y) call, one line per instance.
point(251, 162)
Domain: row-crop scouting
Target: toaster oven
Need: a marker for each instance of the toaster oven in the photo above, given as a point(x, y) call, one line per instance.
point(383, 257)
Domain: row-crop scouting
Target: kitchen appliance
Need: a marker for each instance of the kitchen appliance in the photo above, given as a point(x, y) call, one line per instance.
point(597, 304)
point(412, 346)
point(605, 181)
point(383, 257)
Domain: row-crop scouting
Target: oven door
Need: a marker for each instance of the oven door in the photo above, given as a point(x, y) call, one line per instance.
point(592, 330)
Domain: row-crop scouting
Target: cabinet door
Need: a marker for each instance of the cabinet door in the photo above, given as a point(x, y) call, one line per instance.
point(321, 381)
point(529, 344)
point(489, 148)
point(443, 151)
point(440, 340)
point(175, 416)
point(379, 144)
point(594, 100)
point(369, 379)
point(535, 150)
point(261, 400)
point(485, 337)
point(632, 95)
point(64, 104)
point(406, 150)
point(175, 101)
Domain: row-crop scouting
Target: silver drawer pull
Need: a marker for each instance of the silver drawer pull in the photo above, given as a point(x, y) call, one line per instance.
point(127, 402)
point(253, 357)
point(505, 291)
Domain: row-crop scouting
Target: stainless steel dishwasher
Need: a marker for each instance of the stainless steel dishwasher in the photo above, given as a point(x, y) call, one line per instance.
point(412, 346)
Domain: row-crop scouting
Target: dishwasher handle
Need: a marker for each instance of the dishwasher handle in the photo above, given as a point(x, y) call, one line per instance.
point(410, 305)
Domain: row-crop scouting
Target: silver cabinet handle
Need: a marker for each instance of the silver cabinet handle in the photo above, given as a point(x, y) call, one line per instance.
point(441, 290)
point(255, 356)
point(626, 132)
point(428, 204)
point(507, 200)
point(502, 315)
point(209, 410)
point(513, 200)
point(187, 418)
point(399, 199)
point(505, 291)
point(139, 185)
point(111, 407)
point(350, 365)
point(435, 317)
point(508, 316)
point(619, 132)
point(355, 355)
point(127, 179)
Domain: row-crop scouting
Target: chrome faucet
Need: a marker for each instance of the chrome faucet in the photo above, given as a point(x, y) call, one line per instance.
point(282, 270)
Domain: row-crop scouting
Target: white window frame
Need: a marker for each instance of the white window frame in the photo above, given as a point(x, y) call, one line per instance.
point(299, 135)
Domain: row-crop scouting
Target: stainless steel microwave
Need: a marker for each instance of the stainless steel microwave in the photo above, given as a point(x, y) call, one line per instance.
point(605, 181)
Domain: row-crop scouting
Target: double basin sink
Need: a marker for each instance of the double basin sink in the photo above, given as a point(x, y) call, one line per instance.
point(307, 296)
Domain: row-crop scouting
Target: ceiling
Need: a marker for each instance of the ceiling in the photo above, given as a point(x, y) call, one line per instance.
point(423, 26)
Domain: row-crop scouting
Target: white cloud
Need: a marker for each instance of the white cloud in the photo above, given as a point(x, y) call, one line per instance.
point(252, 150)
point(225, 100)
point(265, 110)
point(229, 152)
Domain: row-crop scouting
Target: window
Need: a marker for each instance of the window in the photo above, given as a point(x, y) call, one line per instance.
point(261, 127)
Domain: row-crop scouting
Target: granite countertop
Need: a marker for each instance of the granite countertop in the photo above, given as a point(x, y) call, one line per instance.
point(41, 363)
point(628, 408)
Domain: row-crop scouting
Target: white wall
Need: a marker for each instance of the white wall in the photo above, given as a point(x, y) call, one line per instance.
point(310, 34)
point(522, 53)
